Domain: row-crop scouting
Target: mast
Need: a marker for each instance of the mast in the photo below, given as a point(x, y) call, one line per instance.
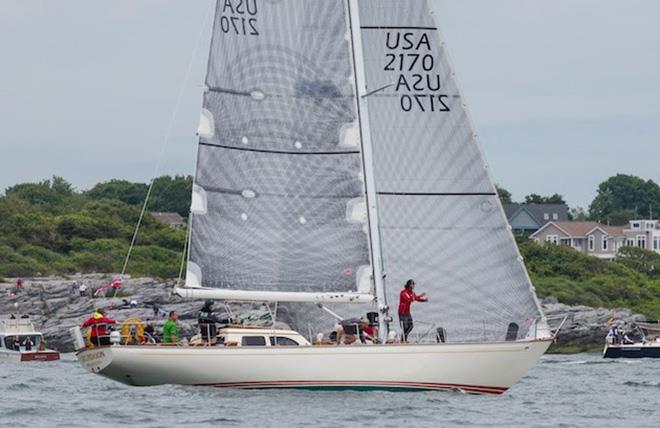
point(368, 170)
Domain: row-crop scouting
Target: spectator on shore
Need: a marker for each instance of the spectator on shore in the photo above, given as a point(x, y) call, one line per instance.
point(82, 290)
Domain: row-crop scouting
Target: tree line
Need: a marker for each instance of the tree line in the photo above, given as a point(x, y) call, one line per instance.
point(619, 199)
point(50, 228)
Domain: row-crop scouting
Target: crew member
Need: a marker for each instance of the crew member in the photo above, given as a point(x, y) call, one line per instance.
point(348, 330)
point(97, 322)
point(206, 321)
point(170, 329)
point(406, 297)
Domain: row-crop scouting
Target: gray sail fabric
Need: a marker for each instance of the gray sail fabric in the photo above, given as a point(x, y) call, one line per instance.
point(440, 221)
point(276, 170)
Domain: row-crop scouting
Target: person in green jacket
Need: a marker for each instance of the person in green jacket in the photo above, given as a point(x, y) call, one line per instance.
point(170, 329)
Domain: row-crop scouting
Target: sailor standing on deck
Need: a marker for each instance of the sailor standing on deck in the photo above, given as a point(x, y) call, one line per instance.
point(206, 320)
point(406, 297)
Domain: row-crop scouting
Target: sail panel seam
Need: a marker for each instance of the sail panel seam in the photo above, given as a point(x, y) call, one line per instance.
point(282, 152)
point(396, 27)
point(437, 193)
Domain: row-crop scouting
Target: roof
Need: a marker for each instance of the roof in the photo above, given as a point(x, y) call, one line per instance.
point(537, 211)
point(168, 218)
point(582, 228)
point(17, 325)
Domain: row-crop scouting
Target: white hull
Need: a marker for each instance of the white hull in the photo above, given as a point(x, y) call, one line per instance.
point(476, 368)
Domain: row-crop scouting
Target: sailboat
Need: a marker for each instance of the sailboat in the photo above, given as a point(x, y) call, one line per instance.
point(336, 159)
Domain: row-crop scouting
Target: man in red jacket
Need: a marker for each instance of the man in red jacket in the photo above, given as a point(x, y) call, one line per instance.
point(98, 334)
point(406, 298)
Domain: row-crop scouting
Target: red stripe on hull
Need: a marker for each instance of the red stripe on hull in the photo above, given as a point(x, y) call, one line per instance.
point(356, 383)
point(40, 356)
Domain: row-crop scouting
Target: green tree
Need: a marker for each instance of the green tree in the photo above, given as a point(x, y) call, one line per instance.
point(640, 260)
point(538, 199)
point(578, 214)
point(625, 194)
point(171, 194)
point(122, 190)
point(503, 194)
point(46, 192)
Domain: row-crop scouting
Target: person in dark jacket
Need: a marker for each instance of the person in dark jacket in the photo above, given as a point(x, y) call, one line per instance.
point(206, 321)
point(98, 322)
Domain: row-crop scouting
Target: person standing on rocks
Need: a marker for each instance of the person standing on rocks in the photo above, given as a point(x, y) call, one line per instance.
point(82, 290)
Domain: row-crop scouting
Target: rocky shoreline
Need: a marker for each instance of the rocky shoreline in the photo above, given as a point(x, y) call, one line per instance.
point(55, 305)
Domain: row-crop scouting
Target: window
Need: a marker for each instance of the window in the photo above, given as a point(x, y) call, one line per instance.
point(604, 242)
point(546, 216)
point(634, 225)
point(656, 242)
point(555, 216)
point(253, 341)
point(552, 239)
point(641, 241)
point(591, 242)
point(649, 225)
point(282, 341)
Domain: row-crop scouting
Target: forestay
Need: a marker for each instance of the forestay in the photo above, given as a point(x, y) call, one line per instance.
point(278, 199)
point(441, 222)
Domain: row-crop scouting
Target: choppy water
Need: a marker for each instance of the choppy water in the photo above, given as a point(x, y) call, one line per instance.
point(579, 390)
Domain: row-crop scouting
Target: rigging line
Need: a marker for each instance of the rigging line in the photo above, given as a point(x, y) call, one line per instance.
point(437, 194)
point(166, 139)
point(378, 90)
point(283, 152)
point(183, 257)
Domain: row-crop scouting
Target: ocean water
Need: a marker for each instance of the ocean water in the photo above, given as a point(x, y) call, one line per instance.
point(580, 390)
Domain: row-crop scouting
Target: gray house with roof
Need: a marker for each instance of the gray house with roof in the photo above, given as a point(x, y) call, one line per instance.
point(531, 217)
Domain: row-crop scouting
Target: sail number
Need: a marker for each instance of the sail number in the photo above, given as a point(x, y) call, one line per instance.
point(239, 17)
point(409, 56)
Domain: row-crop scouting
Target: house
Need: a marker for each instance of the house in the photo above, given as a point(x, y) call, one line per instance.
point(588, 237)
point(531, 217)
point(643, 234)
point(173, 220)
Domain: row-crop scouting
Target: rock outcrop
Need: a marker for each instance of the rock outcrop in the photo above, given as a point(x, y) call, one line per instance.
point(55, 305)
point(585, 325)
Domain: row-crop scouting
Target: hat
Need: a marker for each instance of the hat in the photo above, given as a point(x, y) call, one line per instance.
point(209, 303)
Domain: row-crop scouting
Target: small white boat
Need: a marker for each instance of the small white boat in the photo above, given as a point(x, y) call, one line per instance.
point(19, 341)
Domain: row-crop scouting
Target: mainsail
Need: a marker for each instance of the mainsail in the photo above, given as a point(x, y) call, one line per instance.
point(440, 220)
point(278, 199)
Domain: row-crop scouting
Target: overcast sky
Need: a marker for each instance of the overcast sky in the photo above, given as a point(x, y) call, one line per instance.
point(563, 93)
